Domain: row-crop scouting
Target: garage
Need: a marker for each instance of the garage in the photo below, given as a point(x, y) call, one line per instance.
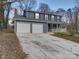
point(23, 27)
point(28, 27)
point(37, 28)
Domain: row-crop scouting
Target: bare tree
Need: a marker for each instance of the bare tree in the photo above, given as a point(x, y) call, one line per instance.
point(44, 7)
point(1, 10)
point(8, 4)
point(76, 11)
point(69, 14)
point(28, 4)
point(61, 11)
point(76, 15)
point(71, 24)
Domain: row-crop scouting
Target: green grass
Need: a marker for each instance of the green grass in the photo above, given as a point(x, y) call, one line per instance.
point(69, 36)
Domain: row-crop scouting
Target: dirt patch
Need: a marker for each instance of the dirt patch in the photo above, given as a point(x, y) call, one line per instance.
point(10, 47)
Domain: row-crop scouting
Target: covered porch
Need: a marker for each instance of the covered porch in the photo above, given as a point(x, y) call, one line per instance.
point(55, 27)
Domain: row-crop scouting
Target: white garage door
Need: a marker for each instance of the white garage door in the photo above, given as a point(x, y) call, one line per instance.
point(23, 27)
point(37, 28)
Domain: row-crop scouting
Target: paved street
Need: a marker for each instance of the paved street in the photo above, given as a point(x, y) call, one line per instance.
point(45, 46)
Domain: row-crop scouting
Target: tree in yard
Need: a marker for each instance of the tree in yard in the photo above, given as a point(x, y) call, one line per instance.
point(76, 16)
point(1, 10)
point(69, 14)
point(7, 9)
point(44, 7)
point(71, 24)
point(2, 4)
point(28, 4)
point(60, 11)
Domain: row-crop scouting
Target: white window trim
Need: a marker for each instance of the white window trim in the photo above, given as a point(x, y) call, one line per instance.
point(46, 17)
point(36, 15)
point(52, 17)
point(58, 17)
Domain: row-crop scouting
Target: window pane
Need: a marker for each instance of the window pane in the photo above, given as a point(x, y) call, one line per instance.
point(58, 17)
point(37, 16)
point(46, 17)
point(27, 14)
point(53, 18)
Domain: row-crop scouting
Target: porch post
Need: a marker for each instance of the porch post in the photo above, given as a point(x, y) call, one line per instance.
point(52, 27)
point(57, 28)
point(60, 27)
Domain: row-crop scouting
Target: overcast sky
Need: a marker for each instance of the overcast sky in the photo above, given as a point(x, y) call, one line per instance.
point(55, 4)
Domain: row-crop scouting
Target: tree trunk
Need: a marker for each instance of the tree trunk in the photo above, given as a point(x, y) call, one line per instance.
point(8, 10)
point(76, 21)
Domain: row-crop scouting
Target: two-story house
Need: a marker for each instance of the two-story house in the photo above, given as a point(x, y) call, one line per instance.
point(39, 22)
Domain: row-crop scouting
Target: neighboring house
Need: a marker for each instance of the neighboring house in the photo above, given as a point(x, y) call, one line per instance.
point(38, 22)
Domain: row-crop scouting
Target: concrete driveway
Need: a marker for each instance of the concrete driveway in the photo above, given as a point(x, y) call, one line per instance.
point(45, 46)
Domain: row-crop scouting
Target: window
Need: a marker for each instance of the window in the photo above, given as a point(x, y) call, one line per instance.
point(52, 18)
point(54, 26)
point(27, 15)
point(42, 16)
point(58, 17)
point(46, 17)
point(9, 0)
point(37, 16)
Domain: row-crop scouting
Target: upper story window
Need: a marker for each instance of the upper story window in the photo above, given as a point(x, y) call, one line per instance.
point(52, 17)
point(37, 16)
point(10, 0)
point(27, 15)
point(46, 17)
point(58, 17)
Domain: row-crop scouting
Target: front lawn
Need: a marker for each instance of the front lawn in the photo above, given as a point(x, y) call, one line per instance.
point(10, 47)
point(69, 36)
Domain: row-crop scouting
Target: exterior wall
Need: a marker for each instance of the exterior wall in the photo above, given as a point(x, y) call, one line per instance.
point(30, 18)
point(15, 26)
point(45, 27)
point(31, 15)
point(42, 17)
point(31, 26)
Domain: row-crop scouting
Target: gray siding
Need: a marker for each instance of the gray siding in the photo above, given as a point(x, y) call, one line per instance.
point(45, 26)
point(42, 17)
point(31, 15)
point(45, 29)
point(15, 26)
